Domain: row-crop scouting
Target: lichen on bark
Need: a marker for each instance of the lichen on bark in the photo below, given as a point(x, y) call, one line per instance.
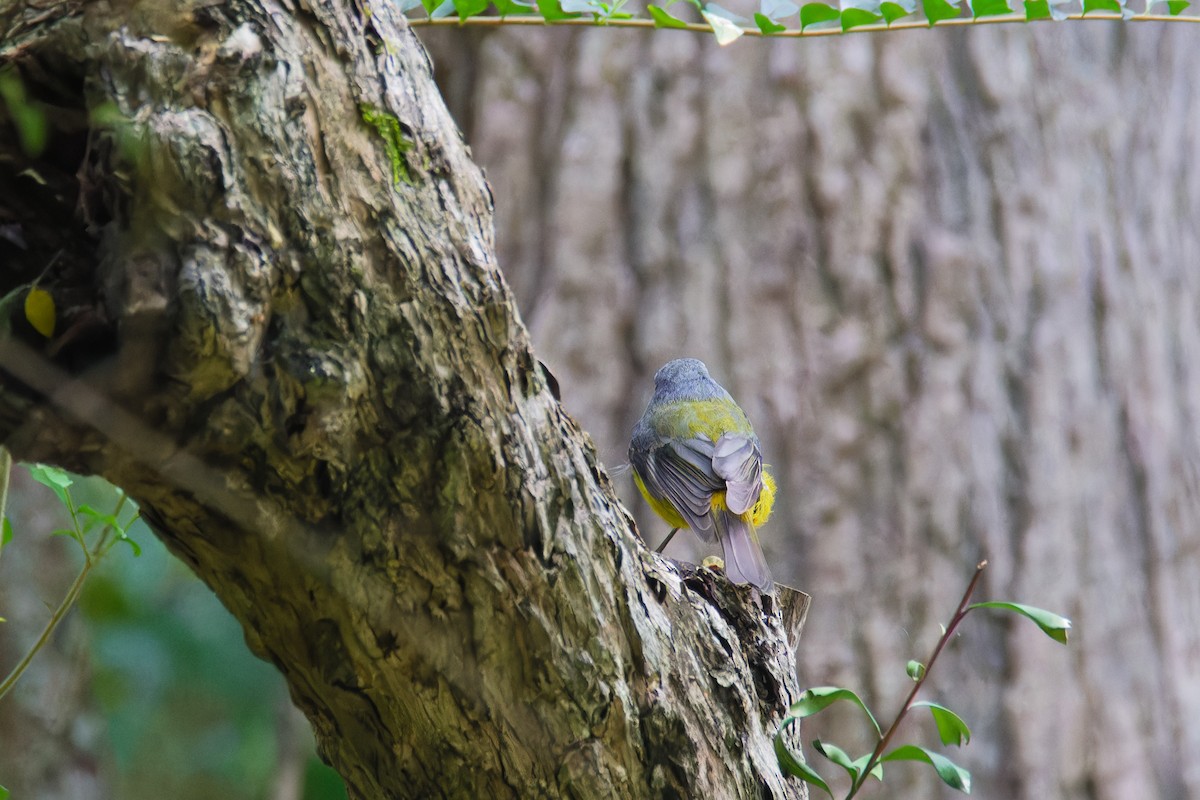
point(322, 396)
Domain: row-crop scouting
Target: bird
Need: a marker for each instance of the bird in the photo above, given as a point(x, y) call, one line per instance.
point(698, 463)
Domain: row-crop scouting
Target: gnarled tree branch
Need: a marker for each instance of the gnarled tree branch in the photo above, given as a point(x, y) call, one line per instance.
point(311, 376)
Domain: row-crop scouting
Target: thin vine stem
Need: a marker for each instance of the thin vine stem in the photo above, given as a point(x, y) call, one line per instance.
point(90, 559)
point(67, 602)
point(5, 477)
point(791, 33)
point(959, 614)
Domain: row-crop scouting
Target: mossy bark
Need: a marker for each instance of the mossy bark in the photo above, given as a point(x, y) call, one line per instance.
point(312, 378)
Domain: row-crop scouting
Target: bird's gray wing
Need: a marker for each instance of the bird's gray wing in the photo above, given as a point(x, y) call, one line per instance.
point(682, 474)
point(737, 462)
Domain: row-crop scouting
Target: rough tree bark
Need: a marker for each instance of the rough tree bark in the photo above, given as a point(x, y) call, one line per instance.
point(953, 278)
point(283, 331)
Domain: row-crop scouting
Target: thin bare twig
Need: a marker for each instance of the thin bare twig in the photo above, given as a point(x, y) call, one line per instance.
point(959, 614)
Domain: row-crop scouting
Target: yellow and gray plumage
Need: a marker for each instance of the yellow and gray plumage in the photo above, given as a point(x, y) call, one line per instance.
point(698, 463)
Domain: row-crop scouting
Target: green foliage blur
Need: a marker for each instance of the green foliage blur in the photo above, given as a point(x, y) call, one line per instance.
point(190, 713)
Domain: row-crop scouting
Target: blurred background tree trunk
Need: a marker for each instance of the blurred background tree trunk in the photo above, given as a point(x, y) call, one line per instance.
point(952, 276)
point(51, 734)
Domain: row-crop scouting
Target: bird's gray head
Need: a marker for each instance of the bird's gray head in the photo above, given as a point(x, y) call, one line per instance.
point(685, 379)
point(679, 373)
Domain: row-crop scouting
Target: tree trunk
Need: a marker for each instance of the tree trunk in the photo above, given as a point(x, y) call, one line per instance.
point(952, 277)
point(281, 328)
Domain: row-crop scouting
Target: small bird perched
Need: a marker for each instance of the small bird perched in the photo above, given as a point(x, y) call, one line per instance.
point(697, 462)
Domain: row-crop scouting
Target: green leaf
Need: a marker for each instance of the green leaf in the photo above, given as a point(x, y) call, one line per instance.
point(990, 8)
point(3, 793)
point(860, 764)
point(6, 533)
point(915, 670)
point(853, 767)
point(938, 10)
point(430, 6)
point(1037, 9)
point(1177, 6)
point(953, 775)
point(893, 11)
point(29, 119)
point(812, 13)
point(58, 480)
point(551, 11)
point(768, 25)
point(470, 8)
point(951, 728)
point(1106, 6)
point(1054, 626)
point(134, 546)
point(821, 697)
point(856, 17)
point(506, 7)
point(837, 755)
point(794, 766)
point(97, 517)
point(664, 20)
point(76, 535)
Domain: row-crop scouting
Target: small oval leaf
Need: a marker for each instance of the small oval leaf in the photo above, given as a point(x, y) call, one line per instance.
point(838, 756)
point(664, 20)
point(938, 10)
point(1037, 9)
point(813, 13)
point(39, 310)
point(794, 766)
point(951, 774)
point(552, 11)
point(1054, 626)
point(470, 8)
point(857, 17)
point(915, 670)
point(768, 25)
point(990, 8)
point(821, 697)
point(56, 479)
point(951, 728)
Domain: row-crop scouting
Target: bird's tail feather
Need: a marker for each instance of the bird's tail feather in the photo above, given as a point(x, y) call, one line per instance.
point(744, 560)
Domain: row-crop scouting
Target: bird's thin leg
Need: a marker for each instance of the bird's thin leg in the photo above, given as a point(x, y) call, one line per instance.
point(667, 540)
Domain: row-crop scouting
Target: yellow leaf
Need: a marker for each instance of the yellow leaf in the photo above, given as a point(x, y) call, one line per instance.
point(39, 310)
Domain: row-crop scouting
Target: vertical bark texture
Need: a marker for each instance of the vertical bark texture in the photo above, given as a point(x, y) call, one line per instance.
point(953, 277)
point(304, 363)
